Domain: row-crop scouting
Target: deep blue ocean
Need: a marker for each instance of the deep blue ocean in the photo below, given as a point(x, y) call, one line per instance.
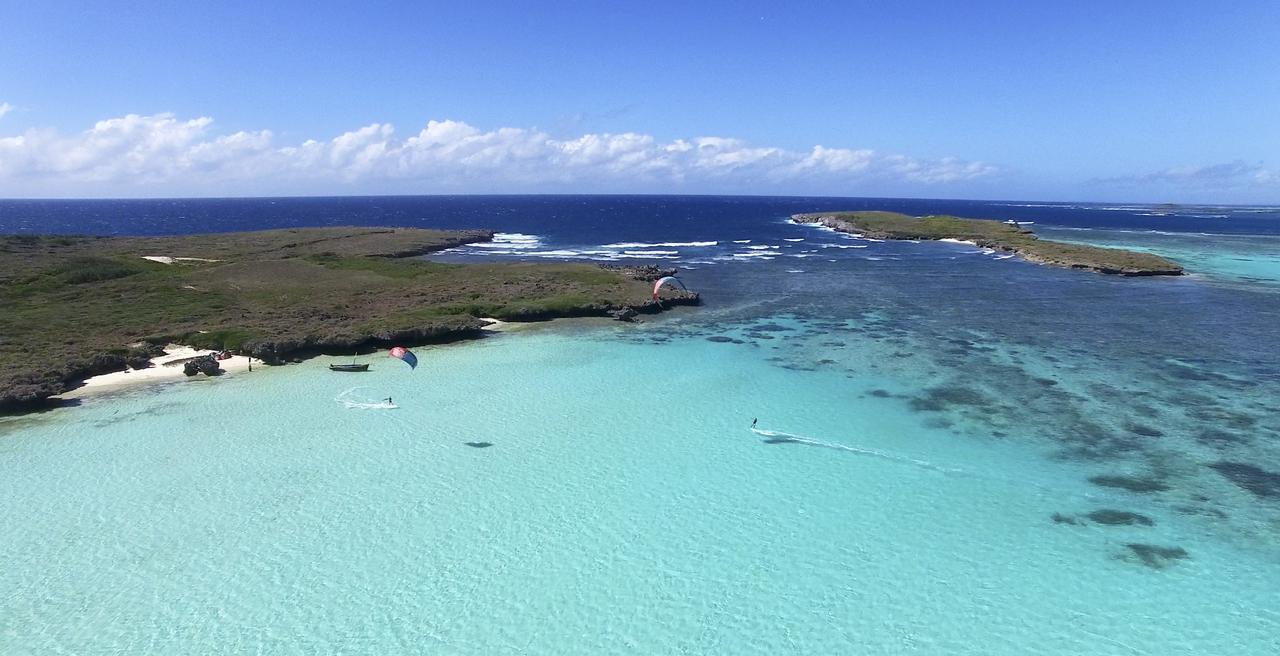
point(586, 219)
point(958, 452)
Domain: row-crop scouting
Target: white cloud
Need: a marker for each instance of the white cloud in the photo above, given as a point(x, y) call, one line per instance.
point(1215, 177)
point(5, 108)
point(141, 155)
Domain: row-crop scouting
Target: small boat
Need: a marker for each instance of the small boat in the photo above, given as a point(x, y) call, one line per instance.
point(349, 367)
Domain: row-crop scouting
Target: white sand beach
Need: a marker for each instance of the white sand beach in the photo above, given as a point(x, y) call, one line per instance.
point(163, 368)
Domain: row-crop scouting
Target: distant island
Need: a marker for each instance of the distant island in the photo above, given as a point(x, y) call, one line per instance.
point(75, 307)
point(996, 235)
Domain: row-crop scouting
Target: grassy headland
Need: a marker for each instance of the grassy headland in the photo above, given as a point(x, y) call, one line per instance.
point(72, 307)
point(995, 235)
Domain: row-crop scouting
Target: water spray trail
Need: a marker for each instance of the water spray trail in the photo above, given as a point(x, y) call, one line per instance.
point(363, 404)
point(800, 439)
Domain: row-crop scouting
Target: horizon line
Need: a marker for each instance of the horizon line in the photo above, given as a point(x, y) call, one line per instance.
point(621, 195)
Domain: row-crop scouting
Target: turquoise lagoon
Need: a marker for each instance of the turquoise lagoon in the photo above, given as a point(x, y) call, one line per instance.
point(957, 453)
point(624, 506)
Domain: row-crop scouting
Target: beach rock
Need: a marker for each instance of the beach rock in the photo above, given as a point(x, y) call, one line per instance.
point(624, 314)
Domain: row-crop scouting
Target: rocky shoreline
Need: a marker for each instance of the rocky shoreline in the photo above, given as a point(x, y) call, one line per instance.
point(272, 351)
point(78, 307)
point(994, 235)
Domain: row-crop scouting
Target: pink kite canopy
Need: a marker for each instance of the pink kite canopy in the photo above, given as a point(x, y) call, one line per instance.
point(666, 280)
point(405, 355)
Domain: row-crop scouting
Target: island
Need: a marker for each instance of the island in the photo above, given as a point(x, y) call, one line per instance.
point(75, 307)
point(997, 235)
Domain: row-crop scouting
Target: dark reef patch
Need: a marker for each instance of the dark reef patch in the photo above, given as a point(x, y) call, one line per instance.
point(1256, 480)
point(1110, 517)
point(1146, 411)
point(1205, 511)
point(720, 339)
point(1140, 485)
point(1216, 437)
point(1223, 417)
point(1144, 430)
point(880, 394)
point(937, 399)
point(1156, 557)
point(1059, 518)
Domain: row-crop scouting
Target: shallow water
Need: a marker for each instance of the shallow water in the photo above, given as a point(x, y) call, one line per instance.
point(941, 436)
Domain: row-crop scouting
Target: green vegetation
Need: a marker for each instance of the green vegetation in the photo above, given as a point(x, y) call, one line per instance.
point(77, 306)
point(997, 235)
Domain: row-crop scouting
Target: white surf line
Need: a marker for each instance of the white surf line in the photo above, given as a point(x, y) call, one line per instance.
point(789, 437)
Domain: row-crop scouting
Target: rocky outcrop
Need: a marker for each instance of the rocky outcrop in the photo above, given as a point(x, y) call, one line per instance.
point(32, 390)
point(997, 236)
point(224, 291)
point(624, 314)
point(645, 272)
point(282, 349)
point(206, 365)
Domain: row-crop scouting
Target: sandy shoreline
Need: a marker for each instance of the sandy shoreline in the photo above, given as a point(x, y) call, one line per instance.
point(168, 367)
point(164, 368)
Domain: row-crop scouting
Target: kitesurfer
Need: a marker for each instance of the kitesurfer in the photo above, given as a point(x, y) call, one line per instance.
point(389, 401)
point(753, 421)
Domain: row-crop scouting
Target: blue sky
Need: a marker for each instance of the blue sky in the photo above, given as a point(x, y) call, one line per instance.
point(1160, 101)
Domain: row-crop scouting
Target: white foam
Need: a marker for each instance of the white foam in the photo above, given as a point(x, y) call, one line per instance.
point(669, 244)
point(842, 246)
point(356, 403)
point(650, 253)
point(796, 239)
point(742, 241)
point(555, 253)
point(511, 240)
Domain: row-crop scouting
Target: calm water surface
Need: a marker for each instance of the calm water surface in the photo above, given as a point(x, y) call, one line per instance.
point(956, 453)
